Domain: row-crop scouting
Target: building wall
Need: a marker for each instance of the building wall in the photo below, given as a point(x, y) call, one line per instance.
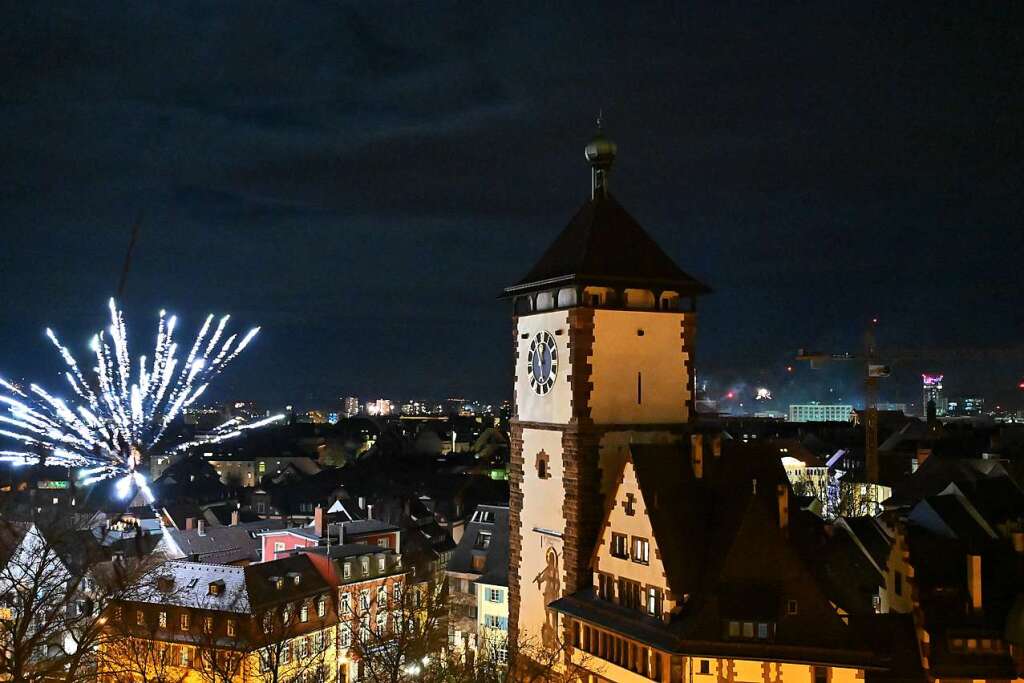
point(626, 363)
point(490, 637)
point(290, 542)
point(542, 509)
point(631, 525)
point(555, 407)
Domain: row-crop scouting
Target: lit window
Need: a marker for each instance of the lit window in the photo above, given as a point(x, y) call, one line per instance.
point(619, 546)
point(321, 608)
point(348, 570)
point(140, 618)
point(278, 547)
point(346, 636)
point(304, 613)
point(483, 540)
point(382, 596)
point(641, 550)
point(494, 595)
point(381, 564)
point(231, 628)
point(185, 621)
point(364, 600)
point(163, 620)
point(364, 565)
point(346, 603)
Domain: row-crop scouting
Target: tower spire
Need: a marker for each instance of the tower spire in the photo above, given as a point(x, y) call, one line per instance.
point(600, 154)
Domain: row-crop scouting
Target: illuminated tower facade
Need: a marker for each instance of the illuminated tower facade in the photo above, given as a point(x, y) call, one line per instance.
point(931, 390)
point(604, 326)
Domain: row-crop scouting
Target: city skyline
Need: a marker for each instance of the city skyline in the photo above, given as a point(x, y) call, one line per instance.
point(345, 196)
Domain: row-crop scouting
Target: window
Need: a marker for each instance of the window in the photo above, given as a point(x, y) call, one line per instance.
point(318, 641)
point(396, 591)
point(278, 547)
point(382, 595)
point(543, 471)
point(629, 594)
point(495, 621)
point(346, 603)
point(346, 635)
point(479, 562)
point(499, 654)
point(898, 583)
point(208, 625)
point(231, 628)
point(140, 618)
point(162, 620)
point(364, 565)
point(494, 595)
point(364, 599)
point(286, 653)
point(629, 504)
point(186, 656)
point(348, 570)
point(383, 542)
point(792, 607)
point(749, 630)
point(321, 608)
point(185, 621)
point(483, 540)
point(605, 587)
point(641, 550)
point(654, 602)
point(619, 546)
point(704, 667)
point(304, 613)
point(381, 564)
point(820, 674)
point(382, 622)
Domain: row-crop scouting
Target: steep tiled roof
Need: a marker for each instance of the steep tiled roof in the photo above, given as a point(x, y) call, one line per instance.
point(604, 244)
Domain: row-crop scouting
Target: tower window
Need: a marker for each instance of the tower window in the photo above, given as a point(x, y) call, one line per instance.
point(542, 466)
point(639, 388)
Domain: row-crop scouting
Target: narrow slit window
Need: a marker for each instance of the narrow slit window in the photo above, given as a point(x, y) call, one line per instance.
point(639, 388)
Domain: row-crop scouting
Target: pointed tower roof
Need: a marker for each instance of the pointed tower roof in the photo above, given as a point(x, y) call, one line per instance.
point(603, 245)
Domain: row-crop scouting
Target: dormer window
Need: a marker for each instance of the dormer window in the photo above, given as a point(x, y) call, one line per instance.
point(483, 540)
point(364, 565)
point(347, 571)
point(216, 587)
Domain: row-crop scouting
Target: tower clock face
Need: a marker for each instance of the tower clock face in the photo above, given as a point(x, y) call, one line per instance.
point(542, 363)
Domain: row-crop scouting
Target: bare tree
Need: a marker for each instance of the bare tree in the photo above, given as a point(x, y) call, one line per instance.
point(55, 585)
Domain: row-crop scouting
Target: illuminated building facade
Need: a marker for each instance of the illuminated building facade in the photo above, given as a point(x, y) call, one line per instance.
point(931, 390)
point(644, 544)
point(604, 336)
point(820, 412)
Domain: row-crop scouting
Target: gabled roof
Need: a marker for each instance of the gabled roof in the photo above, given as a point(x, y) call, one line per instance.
point(603, 244)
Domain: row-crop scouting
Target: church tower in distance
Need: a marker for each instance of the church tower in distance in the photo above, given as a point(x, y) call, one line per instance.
point(604, 339)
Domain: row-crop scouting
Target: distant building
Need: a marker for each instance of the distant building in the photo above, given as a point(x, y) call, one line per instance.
point(381, 407)
point(931, 390)
point(966, 406)
point(350, 406)
point(892, 407)
point(819, 412)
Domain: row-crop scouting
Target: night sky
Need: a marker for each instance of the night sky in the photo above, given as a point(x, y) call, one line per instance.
point(362, 179)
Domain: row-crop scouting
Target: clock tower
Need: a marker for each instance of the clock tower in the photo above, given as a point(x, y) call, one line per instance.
point(604, 339)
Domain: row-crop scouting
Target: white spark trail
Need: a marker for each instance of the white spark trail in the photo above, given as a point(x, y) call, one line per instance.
point(114, 420)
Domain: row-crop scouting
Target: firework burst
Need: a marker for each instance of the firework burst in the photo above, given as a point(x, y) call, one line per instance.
point(122, 409)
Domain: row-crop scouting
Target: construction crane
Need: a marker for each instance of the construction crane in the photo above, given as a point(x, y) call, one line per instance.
point(874, 370)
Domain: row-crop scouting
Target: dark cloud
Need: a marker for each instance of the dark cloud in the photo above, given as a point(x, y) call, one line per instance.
point(364, 178)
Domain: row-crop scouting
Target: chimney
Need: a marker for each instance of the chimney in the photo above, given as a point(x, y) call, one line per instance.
point(369, 512)
point(362, 503)
point(201, 526)
point(974, 581)
point(716, 445)
point(697, 454)
point(318, 521)
point(782, 493)
point(235, 521)
point(190, 523)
